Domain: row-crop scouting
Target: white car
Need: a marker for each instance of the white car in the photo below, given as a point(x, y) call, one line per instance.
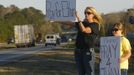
point(52, 39)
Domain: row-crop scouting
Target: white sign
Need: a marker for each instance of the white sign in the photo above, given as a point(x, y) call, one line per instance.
point(109, 55)
point(60, 10)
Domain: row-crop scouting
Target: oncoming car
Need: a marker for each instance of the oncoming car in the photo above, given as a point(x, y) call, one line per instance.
point(52, 39)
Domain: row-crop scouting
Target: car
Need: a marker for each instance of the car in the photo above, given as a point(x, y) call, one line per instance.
point(10, 40)
point(52, 39)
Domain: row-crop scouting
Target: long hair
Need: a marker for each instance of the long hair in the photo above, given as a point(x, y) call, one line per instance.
point(97, 17)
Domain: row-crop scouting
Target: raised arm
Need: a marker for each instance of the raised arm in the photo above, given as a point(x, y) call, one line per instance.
point(82, 27)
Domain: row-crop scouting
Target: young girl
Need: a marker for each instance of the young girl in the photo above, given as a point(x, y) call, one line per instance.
point(125, 48)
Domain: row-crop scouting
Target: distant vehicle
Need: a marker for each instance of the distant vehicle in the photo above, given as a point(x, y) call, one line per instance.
point(52, 39)
point(10, 40)
point(64, 39)
point(24, 35)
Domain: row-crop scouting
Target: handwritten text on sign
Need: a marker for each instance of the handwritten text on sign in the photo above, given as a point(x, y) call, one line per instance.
point(60, 10)
point(109, 55)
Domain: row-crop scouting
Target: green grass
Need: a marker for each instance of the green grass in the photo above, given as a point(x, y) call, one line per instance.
point(7, 46)
point(56, 62)
point(69, 45)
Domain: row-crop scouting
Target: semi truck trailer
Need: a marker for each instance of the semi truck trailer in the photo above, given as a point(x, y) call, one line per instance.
point(24, 35)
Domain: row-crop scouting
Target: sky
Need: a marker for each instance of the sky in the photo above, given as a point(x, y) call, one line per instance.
point(102, 6)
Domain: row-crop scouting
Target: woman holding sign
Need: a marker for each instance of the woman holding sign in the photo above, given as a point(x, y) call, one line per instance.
point(88, 30)
point(125, 48)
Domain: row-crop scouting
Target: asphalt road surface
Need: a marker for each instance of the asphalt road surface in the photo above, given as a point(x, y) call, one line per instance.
point(9, 55)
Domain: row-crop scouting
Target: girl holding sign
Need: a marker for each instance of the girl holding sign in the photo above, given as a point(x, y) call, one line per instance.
point(125, 48)
point(88, 30)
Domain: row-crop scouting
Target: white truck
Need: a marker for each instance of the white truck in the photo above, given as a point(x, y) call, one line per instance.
point(24, 35)
point(52, 39)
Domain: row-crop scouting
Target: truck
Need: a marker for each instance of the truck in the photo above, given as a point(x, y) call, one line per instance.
point(24, 36)
point(52, 39)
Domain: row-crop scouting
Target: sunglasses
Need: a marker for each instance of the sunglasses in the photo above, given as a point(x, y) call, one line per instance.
point(87, 13)
point(115, 29)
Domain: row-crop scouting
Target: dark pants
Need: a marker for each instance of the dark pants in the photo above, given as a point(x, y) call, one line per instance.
point(83, 58)
point(123, 71)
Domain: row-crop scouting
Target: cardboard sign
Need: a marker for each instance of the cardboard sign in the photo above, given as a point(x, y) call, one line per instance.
point(109, 55)
point(60, 10)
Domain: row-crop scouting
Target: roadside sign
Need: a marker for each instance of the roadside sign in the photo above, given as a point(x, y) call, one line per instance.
point(61, 10)
point(109, 56)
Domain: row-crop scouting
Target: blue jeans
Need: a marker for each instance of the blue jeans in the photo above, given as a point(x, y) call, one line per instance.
point(83, 58)
point(124, 71)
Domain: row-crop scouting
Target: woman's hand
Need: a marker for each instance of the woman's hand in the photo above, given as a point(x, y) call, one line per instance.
point(77, 16)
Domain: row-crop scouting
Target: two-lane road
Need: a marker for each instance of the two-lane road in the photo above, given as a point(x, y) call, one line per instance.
point(9, 55)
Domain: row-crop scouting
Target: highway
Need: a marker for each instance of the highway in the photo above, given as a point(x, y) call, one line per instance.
point(14, 54)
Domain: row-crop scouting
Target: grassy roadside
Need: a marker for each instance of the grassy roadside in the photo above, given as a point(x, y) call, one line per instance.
point(6, 46)
point(53, 62)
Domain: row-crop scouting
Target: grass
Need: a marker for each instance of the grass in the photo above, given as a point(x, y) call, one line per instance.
point(69, 45)
point(7, 46)
point(53, 62)
point(56, 62)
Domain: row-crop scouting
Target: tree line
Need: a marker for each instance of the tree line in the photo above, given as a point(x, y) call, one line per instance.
point(121, 16)
point(12, 15)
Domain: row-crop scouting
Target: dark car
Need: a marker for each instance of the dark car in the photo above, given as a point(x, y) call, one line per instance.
point(10, 40)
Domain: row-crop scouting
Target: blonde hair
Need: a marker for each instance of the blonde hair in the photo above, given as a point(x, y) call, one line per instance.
point(97, 17)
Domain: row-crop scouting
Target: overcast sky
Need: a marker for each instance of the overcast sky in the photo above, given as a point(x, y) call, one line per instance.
point(102, 6)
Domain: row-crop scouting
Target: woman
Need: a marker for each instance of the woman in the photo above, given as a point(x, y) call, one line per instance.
point(87, 32)
point(125, 48)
